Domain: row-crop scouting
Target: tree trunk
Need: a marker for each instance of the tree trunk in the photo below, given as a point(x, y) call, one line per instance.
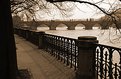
point(8, 61)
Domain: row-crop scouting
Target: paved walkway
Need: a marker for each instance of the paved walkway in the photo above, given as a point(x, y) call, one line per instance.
point(40, 63)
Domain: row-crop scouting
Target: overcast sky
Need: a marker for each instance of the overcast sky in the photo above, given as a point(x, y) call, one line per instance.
point(81, 11)
point(84, 11)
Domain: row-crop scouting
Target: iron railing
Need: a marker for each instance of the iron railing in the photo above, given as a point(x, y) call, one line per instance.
point(108, 62)
point(63, 48)
point(31, 36)
point(107, 58)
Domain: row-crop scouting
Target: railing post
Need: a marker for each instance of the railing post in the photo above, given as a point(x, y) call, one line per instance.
point(41, 38)
point(86, 57)
point(27, 34)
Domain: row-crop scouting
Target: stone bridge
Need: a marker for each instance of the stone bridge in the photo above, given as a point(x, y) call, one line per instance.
point(71, 24)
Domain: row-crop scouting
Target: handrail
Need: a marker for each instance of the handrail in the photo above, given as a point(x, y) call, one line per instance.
point(66, 50)
point(105, 66)
point(63, 48)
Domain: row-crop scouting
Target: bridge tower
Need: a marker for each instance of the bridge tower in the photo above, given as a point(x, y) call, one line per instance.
point(105, 24)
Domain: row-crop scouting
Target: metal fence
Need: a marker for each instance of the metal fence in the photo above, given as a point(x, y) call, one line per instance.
point(108, 62)
point(64, 49)
point(107, 58)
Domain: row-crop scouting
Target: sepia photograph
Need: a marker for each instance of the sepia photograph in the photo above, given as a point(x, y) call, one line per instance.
point(60, 39)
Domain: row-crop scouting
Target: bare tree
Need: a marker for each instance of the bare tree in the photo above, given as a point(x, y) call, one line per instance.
point(31, 7)
point(111, 10)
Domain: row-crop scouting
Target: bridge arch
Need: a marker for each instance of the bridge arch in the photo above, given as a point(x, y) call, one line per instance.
point(61, 26)
point(79, 26)
point(96, 26)
point(43, 27)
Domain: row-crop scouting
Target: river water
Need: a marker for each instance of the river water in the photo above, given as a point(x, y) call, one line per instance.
point(109, 37)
